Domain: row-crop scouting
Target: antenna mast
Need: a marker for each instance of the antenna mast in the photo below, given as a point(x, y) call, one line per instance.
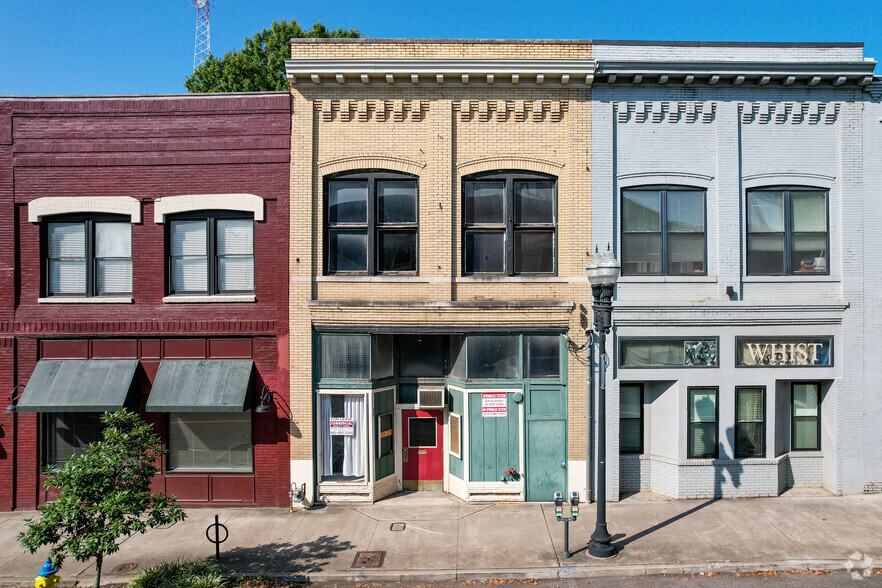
point(203, 33)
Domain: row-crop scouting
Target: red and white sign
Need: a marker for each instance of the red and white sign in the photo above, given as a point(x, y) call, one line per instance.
point(494, 404)
point(342, 426)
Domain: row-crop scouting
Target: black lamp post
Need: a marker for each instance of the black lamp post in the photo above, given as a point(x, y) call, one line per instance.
point(603, 271)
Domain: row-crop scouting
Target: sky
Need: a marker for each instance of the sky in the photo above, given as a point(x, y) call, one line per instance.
point(77, 47)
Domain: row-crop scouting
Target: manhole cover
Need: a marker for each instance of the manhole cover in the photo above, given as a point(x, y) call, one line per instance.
point(126, 567)
point(369, 559)
point(397, 526)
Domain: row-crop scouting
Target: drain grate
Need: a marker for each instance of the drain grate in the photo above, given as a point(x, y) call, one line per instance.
point(126, 567)
point(397, 526)
point(369, 559)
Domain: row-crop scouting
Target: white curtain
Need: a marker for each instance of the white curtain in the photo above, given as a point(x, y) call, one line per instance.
point(327, 450)
point(353, 445)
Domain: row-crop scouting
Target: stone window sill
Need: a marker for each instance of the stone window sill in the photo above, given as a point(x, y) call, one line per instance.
point(86, 300)
point(184, 299)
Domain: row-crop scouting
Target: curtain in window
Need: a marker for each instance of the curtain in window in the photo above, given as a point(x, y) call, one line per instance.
point(327, 452)
point(113, 253)
point(189, 256)
point(235, 251)
point(67, 258)
point(703, 426)
point(353, 445)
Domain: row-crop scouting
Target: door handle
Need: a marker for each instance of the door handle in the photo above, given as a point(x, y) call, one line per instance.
point(563, 464)
point(404, 455)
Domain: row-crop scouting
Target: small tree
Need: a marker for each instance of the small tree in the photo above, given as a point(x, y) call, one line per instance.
point(259, 65)
point(105, 495)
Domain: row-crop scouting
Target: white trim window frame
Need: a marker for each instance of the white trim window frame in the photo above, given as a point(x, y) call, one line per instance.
point(362, 435)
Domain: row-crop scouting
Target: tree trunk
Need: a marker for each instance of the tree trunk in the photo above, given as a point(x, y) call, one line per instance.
point(98, 561)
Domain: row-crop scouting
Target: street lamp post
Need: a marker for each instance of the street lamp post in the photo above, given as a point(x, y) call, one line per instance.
point(602, 274)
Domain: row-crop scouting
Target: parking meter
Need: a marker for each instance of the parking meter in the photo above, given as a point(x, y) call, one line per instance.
point(558, 505)
point(574, 504)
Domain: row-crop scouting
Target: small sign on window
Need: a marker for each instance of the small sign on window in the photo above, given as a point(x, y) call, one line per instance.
point(342, 426)
point(494, 404)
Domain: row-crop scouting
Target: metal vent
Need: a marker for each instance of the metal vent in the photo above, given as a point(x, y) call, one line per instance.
point(430, 396)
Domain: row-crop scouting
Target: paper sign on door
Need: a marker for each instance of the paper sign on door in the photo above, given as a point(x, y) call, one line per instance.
point(494, 404)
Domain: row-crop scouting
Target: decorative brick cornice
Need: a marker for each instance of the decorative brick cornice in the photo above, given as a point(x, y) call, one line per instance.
point(372, 161)
point(671, 112)
point(426, 71)
point(511, 110)
point(363, 110)
point(159, 328)
point(519, 162)
point(793, 112)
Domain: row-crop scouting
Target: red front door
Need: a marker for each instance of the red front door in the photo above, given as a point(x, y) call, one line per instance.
point(422, 450)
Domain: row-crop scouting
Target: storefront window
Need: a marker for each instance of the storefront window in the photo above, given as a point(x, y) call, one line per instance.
point(702, 423)
point(343, 437)
point(68, 434)
point(639, 353)
point(345, 356)
point(210, 441)
point(631, 418)
point(750, 422)
point(541, 356)
point(492, 356)
point(806, 417)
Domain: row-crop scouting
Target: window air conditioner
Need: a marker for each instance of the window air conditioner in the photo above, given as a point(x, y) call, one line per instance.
point(430, 397)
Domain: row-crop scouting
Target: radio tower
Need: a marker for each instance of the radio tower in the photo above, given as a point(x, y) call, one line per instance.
point(203, 33)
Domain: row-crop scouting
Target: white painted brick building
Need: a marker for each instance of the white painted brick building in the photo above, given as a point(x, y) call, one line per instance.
point(766, 154)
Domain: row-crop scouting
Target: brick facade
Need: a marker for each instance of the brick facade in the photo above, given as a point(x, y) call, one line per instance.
point(144, 148)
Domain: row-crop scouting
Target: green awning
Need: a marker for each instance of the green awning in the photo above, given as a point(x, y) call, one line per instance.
point(79, 385)
point(204, 385)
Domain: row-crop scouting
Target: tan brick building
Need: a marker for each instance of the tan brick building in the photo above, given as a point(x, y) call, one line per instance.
point(439, 198)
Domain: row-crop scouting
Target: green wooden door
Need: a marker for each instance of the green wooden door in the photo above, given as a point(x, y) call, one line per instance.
point(546, 441)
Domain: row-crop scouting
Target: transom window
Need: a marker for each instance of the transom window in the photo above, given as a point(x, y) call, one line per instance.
point(787, 232)
point(211, 253)
point(509, 224)
point(88, 256)
point(371, 223)
point(663, 231)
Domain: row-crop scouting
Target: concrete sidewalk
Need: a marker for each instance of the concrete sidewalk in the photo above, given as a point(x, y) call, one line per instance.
point(443, 538)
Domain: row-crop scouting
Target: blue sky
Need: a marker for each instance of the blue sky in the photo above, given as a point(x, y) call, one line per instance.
point(146, 47)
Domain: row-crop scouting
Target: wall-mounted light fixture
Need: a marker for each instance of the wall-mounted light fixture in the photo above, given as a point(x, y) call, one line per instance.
point(13, 398)
point(266, 396)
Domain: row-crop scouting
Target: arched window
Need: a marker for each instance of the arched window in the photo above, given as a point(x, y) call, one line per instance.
point(509, 223)
point(371, 223)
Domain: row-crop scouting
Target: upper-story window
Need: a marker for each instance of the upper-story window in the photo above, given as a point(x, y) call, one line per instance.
point(510, 224)
point(88, 256)
point(211, 252)
point(787, 232)
point(371, 223)
point(663, 231)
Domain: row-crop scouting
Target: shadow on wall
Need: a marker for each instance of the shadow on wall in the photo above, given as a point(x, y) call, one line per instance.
point(729, 466)
point(289, 558)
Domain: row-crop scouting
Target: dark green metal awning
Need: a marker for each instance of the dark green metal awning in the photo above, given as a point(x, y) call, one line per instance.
point(79, 385)
point(204, 385)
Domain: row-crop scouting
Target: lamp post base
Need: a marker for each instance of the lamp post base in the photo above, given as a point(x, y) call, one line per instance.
point(600, 545)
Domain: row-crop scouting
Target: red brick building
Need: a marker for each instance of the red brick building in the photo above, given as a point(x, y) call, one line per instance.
point(143, 262)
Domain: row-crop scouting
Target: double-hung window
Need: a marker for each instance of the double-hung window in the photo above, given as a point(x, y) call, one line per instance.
point(750, 422)
point(703, 434)
point(88, 256)
point(371, 223)
point(806, 419)
point(631, 418)
point(509, 224)
point(211, 253)
point(787, 232)
point(663, 231)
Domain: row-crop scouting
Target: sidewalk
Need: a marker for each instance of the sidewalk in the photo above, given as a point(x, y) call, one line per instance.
point(446, 539)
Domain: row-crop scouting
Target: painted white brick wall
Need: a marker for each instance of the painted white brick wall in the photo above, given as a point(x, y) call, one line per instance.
point(727, 140)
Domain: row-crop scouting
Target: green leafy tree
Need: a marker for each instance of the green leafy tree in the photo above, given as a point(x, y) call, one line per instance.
point(260, 64)
point(104, 495)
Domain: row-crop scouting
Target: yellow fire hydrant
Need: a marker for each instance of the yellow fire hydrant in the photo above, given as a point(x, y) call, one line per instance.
point(47, 577)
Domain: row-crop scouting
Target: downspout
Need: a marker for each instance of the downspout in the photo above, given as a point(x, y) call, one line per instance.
point(589, 415)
